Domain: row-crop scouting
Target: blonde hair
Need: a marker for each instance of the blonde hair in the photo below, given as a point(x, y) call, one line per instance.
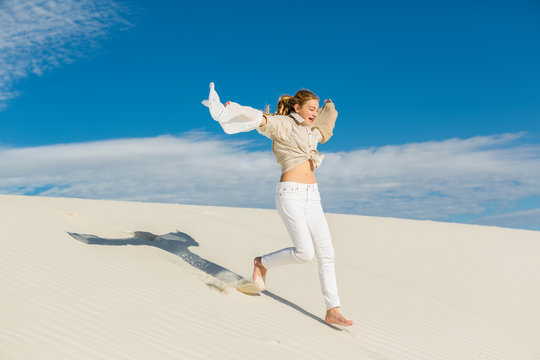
point(286, 103)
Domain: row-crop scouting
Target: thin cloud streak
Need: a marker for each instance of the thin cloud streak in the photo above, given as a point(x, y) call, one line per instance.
point(37, 36)
point(432, 180)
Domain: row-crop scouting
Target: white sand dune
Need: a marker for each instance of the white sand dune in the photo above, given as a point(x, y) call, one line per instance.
point(87, 279)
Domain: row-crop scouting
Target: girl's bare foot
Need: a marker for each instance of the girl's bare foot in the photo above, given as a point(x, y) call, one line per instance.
point(259, 272)
point(333, 316)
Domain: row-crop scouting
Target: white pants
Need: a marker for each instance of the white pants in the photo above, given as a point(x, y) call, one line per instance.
point(299, 206)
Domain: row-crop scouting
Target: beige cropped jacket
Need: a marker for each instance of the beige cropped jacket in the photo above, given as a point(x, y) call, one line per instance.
point(294, 140)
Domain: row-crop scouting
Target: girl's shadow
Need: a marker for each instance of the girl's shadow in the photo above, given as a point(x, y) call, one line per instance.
point(178, 243)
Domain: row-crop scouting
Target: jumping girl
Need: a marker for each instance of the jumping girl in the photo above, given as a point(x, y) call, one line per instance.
point(295, 129)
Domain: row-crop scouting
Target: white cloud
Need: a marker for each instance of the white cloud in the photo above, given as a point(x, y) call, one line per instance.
point(37, 36)
point(194, 168)
point(432, 180)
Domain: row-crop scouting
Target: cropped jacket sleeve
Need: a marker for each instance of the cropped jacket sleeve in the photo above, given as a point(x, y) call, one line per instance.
point(326, 121)
point(277, 127)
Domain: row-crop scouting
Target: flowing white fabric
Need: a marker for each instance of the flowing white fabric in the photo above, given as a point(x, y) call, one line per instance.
point(233, 118)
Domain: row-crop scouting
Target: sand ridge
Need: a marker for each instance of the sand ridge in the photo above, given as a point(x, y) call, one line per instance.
point(415, 289)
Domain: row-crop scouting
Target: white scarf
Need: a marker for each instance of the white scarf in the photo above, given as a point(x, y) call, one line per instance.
point(233, 118)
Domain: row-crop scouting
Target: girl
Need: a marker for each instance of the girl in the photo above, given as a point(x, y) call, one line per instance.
point(295, 129)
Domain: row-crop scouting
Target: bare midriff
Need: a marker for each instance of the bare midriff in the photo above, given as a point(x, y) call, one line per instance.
point(303, 173)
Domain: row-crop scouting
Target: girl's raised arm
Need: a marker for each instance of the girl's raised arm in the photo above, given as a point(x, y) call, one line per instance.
point(326, 120)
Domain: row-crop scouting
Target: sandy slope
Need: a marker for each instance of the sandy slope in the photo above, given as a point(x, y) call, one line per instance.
point(416, 289)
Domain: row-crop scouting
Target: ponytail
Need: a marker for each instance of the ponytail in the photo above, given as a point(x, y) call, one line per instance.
point(285, 105)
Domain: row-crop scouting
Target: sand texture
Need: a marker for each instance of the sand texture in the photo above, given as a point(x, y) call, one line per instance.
point(89, 279)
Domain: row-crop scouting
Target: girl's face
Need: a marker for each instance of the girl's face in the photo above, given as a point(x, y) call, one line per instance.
point(308, 111)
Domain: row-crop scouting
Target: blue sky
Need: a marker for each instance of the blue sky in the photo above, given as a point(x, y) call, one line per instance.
point(439, 102)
